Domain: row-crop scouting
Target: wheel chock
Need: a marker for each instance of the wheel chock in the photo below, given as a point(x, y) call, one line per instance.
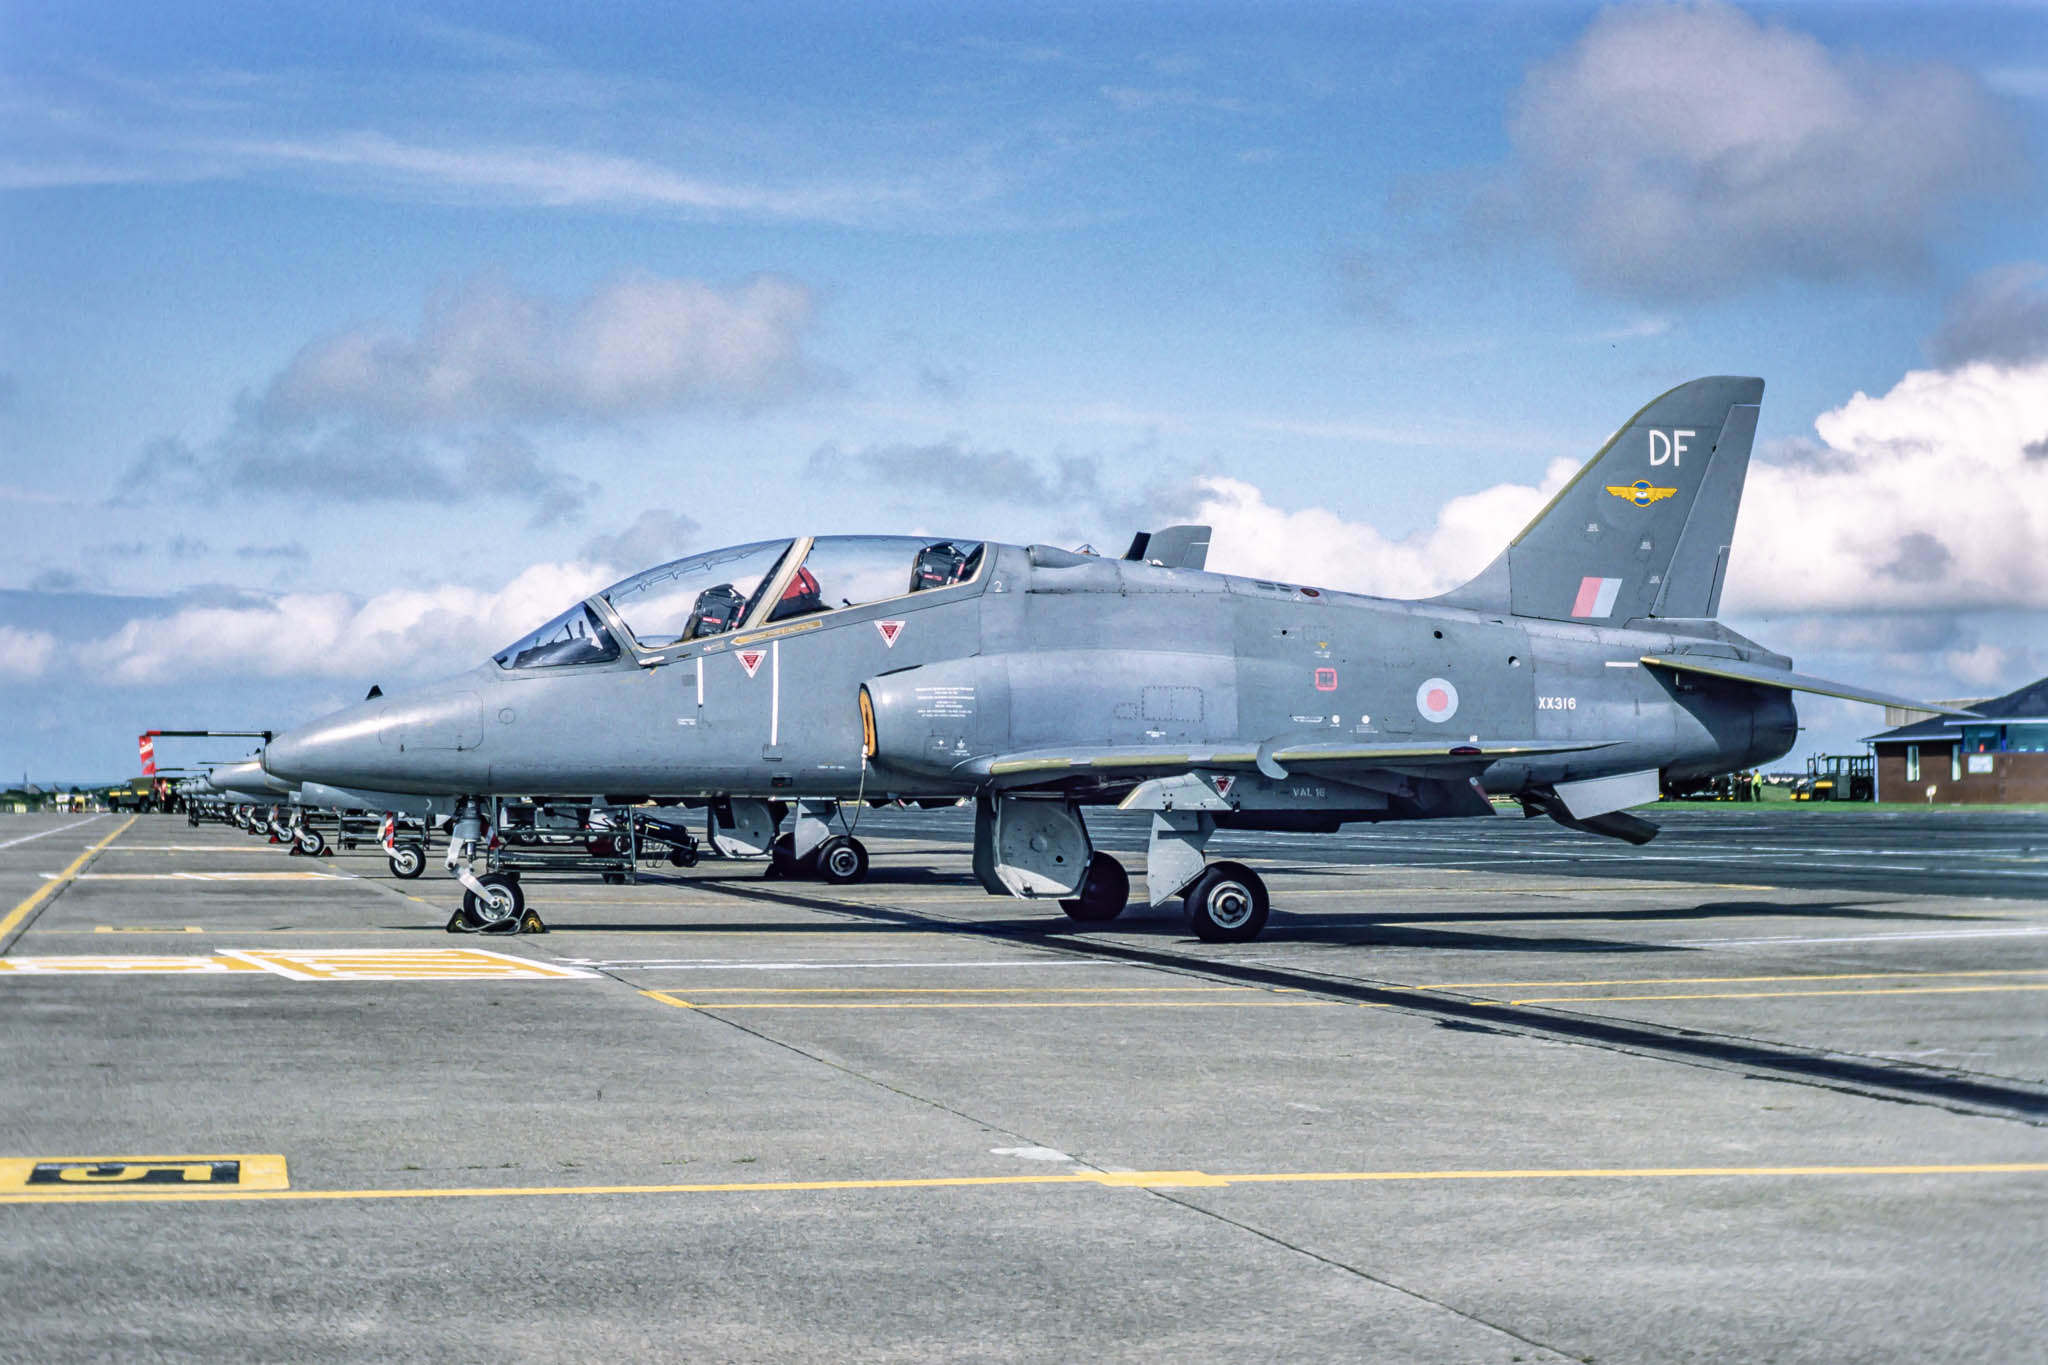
point(458, 925)
point(530, 923)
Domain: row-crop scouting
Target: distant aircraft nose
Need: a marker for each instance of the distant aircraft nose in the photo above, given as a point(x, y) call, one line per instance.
point(424, 741)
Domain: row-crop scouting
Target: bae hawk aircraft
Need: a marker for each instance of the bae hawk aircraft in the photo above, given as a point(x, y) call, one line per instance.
point(800, 673)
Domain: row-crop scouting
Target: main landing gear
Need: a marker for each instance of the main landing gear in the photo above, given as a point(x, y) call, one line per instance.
point(812, 850)
point(1033, 846)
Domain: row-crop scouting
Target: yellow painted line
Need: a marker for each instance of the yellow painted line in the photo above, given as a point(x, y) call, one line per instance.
point(1728, 980)
point(72, 1177)
point(989, 990)
point(1771, 995)
point(720, 1005)
point(1102, 1179)
point(50, 888)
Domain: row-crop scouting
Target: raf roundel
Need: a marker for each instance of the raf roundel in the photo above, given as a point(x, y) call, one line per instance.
point(1437, 699)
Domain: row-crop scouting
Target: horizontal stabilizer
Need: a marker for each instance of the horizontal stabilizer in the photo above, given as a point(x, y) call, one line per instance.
point(1735, 670)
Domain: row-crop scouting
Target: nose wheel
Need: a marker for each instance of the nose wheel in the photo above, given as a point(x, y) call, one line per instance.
point(1226, 904)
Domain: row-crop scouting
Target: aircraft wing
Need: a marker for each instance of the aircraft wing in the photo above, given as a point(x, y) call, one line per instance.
point(1151, 760)
point(1738, 671)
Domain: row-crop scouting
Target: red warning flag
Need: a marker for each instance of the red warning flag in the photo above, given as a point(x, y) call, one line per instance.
point(148, 747)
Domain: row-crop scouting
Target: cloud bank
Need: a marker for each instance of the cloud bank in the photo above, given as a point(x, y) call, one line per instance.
point(1676, 151)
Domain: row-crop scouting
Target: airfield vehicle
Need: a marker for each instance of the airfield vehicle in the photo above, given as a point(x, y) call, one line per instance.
point(1837, 777)
point(1579, 669)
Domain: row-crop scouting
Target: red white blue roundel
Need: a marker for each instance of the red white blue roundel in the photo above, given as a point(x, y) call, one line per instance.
point(1437, 699)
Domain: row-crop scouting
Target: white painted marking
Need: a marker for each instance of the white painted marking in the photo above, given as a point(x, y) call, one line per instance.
point(1623, 663)
point(1031, 1153)
point(262, 964)
point(1866, 938)
point(662, 964)
point(774, 693)
point(54, 829)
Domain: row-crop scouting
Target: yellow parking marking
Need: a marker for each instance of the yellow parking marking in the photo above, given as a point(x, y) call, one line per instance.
point(1727, 980)
point(1767, 995)
point(722, 1005)
point(329, 964)
point(1142, 1180)
point(123, 965)
point(51, 887)
point(71, 1177)
point(417, 964)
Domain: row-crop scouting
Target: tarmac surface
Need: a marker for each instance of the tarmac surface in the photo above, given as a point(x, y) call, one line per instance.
point(1773, 1088)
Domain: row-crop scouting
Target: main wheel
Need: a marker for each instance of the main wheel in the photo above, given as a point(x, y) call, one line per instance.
point(502, 900)
point(841, 860)
point(1105, 890)
point(783, 862)
point(312, 843)
point(1227, 904)
point(407, 860)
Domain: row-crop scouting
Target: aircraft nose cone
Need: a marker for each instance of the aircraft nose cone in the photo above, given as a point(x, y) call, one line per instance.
point(345, 742)
point(425, 741)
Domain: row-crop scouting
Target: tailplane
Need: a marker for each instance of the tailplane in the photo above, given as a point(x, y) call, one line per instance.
point(1644, 528)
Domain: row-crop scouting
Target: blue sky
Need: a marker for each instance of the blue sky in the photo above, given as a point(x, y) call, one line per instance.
point(337, 344)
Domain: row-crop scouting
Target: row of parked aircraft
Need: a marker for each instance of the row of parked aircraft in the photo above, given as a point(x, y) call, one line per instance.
point(778, 682)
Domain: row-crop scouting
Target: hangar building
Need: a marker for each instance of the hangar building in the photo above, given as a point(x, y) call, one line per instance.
point(2002, 755)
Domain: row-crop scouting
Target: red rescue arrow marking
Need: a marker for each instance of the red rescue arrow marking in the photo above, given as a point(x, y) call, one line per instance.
point(890, 630)
point(750, 659)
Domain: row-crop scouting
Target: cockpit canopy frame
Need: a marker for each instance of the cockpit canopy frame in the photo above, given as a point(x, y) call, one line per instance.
point(677, 609)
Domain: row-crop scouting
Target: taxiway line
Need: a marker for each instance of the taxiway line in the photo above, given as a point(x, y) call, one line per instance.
point(20, 913)
point(1771, 995)
point(1143, 1180)
point(46, 833)
point(1731, 980)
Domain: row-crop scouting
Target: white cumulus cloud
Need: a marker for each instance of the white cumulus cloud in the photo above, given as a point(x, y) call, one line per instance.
point(488, 352)
point(1677, 150)
point(1316, 545)
point(24, 654)
point(407, 631)
point(1933, 495)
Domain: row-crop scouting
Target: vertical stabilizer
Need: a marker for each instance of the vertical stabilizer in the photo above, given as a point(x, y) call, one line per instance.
point(1644, 528)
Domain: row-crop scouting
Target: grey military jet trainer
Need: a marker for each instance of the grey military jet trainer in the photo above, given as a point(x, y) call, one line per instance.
point(1583, 662)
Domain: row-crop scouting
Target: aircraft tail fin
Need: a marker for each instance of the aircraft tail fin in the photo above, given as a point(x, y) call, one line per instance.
point(1643, 529)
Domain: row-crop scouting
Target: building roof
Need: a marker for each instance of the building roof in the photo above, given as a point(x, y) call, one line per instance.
point(2023, 703)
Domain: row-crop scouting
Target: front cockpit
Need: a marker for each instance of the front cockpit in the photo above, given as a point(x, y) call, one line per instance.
point(656, 614)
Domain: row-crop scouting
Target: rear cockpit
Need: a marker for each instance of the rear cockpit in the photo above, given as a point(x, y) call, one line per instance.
point(660, 612)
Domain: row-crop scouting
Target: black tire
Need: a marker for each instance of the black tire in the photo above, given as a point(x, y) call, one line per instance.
point(312, 843)
point(503, 902)
point(841, 860)
point(683, 857)
point(783, 862)
point(1227, 904)
point(1105, 891)
point(407, 861)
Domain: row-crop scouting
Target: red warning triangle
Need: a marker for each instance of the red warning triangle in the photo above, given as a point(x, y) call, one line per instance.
point(890, 630)
point(1224, 784)
point(750, 659)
